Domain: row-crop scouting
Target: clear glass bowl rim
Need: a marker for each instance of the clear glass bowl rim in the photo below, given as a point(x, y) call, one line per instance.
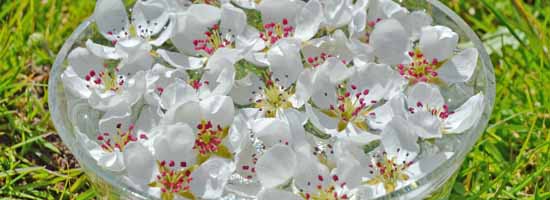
point(119, 185)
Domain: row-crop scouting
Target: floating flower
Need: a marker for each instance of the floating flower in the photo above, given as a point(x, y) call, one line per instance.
point(431, 117)
point(285, 19)
point(104, 85)
point(345, 109)
point(396, 162)
point(276, 90)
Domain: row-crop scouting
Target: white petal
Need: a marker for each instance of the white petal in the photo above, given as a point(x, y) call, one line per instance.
point(219, 109)
point(134, 89)
point(335, 70)
point(304, 87)
point(210, 178)
point(466, 115)
point(166, 34)
point(320, 120)
point(177, 93)
point(362, 53)
point(308, 20)
point(102, 51)
point(180, 60)
point(395, 107)
point(276, 194)
point(276, 166)
point(233, 19)
point(220, 73)
point(111, 17)
point(337, 13)
point(188, 112)
point(193, 24)
point(415, 21)
point(390, 41)
point(83, 61)
point(308, 171)
point(174, 142)
point(246, 90)
point(285, 62)
point(136, 53)
point(438, 42)
point(271, 131)
point(460, 68)
point(381, 81)
point(113, 161)
point(325, 93)
point(139, 163)
point(248, 4)
point(149, 17)
point(149, 117)
point(74, 84)
point(258, 58)
point(383, 9)
point(276, 10)
point(296, 121)
point(104, 100)
point(426, 94)
point(119, 114)
point(358, 22)
point(399, 135)
point(426, 125)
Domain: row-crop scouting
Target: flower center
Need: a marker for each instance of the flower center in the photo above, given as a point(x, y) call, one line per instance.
point(173, 180)
point(273, 32)
point(106, 79)
point(214, 40)
point(442, 113)
point(388, 171)
point(110, 142)
point(318, 60)
point(209, 139)
point(420, 69)
point(274, 97)
point(211, 2)
point(325, 193)
point(351, 108)
point(196, 84)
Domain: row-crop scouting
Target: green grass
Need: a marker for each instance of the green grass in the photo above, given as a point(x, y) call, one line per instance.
point(510, 161)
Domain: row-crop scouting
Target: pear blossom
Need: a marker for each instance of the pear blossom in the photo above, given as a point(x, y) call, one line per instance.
point(346, 109)
point(285, 19)
point(396, 162)
point(203, 29)
point(104, 85)
point(275, 91)
point(431, 117)
point(116, 139)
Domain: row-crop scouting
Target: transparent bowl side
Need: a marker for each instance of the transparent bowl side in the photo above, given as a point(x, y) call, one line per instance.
point(112, 187)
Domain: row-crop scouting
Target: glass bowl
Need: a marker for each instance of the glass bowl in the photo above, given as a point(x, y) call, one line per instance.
point(435, 185)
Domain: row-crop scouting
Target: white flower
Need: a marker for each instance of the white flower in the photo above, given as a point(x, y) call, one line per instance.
point(116, 139)
point(396, 163)
point(337, 178)
point(203, 29)
point(318, 50)
point(431, 61)
point(431, 118)
point(275, 91)
point(345, 110)
point(159, 78)
point(148, 19)
point(285, 19)
point(103, 85)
